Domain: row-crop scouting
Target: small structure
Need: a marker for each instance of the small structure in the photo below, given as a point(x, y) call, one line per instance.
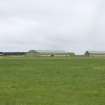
point(87, 53)
point(32, 53)
point(95, 53)
point(72, 54)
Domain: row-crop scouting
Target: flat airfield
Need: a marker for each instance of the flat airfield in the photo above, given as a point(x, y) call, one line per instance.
point(52, 81)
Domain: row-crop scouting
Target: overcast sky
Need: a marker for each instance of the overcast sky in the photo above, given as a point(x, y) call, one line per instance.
point(71, 25)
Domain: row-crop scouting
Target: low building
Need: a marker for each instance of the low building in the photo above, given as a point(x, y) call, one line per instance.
point(49, 53)
point(52, 53)
point(95, 53)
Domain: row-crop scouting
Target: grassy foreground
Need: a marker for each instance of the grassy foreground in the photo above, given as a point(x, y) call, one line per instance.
point(52, 81)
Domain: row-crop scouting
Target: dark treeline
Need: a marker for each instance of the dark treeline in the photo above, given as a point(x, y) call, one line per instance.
point(12, 53)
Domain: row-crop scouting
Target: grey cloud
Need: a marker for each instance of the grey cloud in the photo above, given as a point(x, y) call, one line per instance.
point(75, 25)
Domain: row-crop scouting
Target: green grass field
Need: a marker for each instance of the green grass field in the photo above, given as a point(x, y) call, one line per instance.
point(52, 81)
